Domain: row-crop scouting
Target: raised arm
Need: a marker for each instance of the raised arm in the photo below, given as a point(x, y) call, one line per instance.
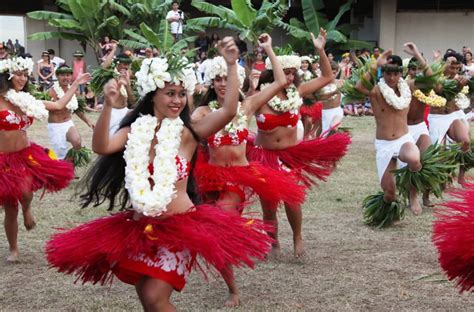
point(314, 85)
point(215, 121)
point(110, 57)
point(102, 143)
point(411, 49)
point(368, 76)
point(62, 102)
point(254, 102)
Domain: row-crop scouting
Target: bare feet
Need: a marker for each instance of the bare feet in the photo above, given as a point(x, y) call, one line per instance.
point(274, 253)
point(233, 300)
point(299, 248)
point(415, 207)
point(13, 256)
point(427, 202)
point(28, 220)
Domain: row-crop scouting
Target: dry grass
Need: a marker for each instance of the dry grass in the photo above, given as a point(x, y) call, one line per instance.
point(348, 267)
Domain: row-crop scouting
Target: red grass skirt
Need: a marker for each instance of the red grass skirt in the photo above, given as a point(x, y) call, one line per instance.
point(95, 250)
point(310, 160)
point(29, 170)
point(266, 182)
point(315, 111)
point(453, 235)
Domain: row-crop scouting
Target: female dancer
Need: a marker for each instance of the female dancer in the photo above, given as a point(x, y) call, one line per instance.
point(25, 167)
point(311, 110)
point(276, 141)
point(223, 171)
point(155, 245)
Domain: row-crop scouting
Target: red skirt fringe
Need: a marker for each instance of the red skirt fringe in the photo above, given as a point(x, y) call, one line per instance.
point(453, 235)
point(266, 182)
point(92, 250)
point(29, 170)
point(310, 160)
point(315, 111)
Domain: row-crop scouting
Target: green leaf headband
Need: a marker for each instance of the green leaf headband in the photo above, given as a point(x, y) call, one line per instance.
point(391, 68)
point(63, 71)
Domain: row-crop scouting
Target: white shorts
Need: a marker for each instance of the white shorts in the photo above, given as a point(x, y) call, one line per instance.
point(385, 150)
point(418, 130)
point(57, 136)
point(115, 118)
point(328, 116)
point(439, 124)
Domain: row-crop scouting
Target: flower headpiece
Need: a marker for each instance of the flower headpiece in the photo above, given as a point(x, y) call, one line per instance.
point(155, 72)
point(286, 61)
point(218, 67)
point(306, 58)
point(16, 64)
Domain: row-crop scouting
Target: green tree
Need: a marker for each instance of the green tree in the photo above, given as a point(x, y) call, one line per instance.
point(87, 21)
point(338, 34)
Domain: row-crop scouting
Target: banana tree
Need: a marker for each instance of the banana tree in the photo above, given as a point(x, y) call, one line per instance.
point(150, 12)
point(86, 21)
point(337, 35)
point(241, 17)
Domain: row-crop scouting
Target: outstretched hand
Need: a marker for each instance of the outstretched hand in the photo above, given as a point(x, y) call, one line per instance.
point(265, 41)
point(411, 49)
point(320, 42)
point(436, 55)
point(112, 92)
point(383, 59)
point(228, 49)
point(83, 78)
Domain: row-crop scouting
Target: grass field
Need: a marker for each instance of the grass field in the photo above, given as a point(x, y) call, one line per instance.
point(348, 266)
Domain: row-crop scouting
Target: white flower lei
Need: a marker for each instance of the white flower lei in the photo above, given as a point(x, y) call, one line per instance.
point(231, 127)
point(461, 100)
point(27, 103)
point(286, 61)
point(72, 105)
point(306, 75)
point(154, 74)
point(392, 99)
point(293, 102)
point(16, 64)
point(218, 67)
point(144, 199)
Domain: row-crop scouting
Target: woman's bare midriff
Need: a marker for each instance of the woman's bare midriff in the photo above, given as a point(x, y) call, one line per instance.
point(332, 103)
point(228, 155)
point(276, 139)
point(13, 141)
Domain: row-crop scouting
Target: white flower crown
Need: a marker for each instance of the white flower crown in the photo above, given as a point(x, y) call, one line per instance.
point(286, 61)
point(306, 58)
point(218, 67)
point(15, 64)
point(155, 72)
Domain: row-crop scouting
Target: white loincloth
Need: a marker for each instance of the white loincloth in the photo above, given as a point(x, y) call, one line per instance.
point(57, 133)
point(439, 124)
point(329, 115)
point(116, 117)
point(418, 130)
point(385, 150)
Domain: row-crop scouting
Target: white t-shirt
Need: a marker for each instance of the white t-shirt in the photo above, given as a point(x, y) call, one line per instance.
point(176, 27)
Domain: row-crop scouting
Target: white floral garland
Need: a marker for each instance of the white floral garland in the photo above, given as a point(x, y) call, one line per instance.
point(154, 74)
point(305, 75)
point(15, 64)
point(293, 102)
point(72, 105)
point(231, 127)
point(461, 100)
point(397, 102)
point(27, 103)
point(145, 199)
point(286, 61)
point(218, 67)
point(122, 90)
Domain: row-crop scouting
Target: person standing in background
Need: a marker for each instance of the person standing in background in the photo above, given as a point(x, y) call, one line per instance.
point(78, 68)
point(176, 17)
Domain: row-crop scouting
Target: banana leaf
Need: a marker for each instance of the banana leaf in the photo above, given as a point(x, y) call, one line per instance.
point(81, 107)
point(100, 77)
point(379, 213)
point(427, 83)
point(464, 159)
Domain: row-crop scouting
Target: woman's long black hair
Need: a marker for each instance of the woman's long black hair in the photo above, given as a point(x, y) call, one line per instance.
point(6, 84)
point(211, 95)
point(106, 178)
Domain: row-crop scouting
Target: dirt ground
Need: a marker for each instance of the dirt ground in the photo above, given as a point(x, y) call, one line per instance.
point(348, 267)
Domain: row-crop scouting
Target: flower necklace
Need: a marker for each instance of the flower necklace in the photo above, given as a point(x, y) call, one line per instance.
point(231, 127)
point(72, 105)
point(293, 102)
point(461, 100)
point(152, 201)
point(27, 103)
point(432, 99)
point(397, 102)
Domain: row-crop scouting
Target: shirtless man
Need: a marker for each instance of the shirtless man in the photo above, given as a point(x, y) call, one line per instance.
point(61, 129)
point(390, 100)
point(449, 122)
point(127, 99)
